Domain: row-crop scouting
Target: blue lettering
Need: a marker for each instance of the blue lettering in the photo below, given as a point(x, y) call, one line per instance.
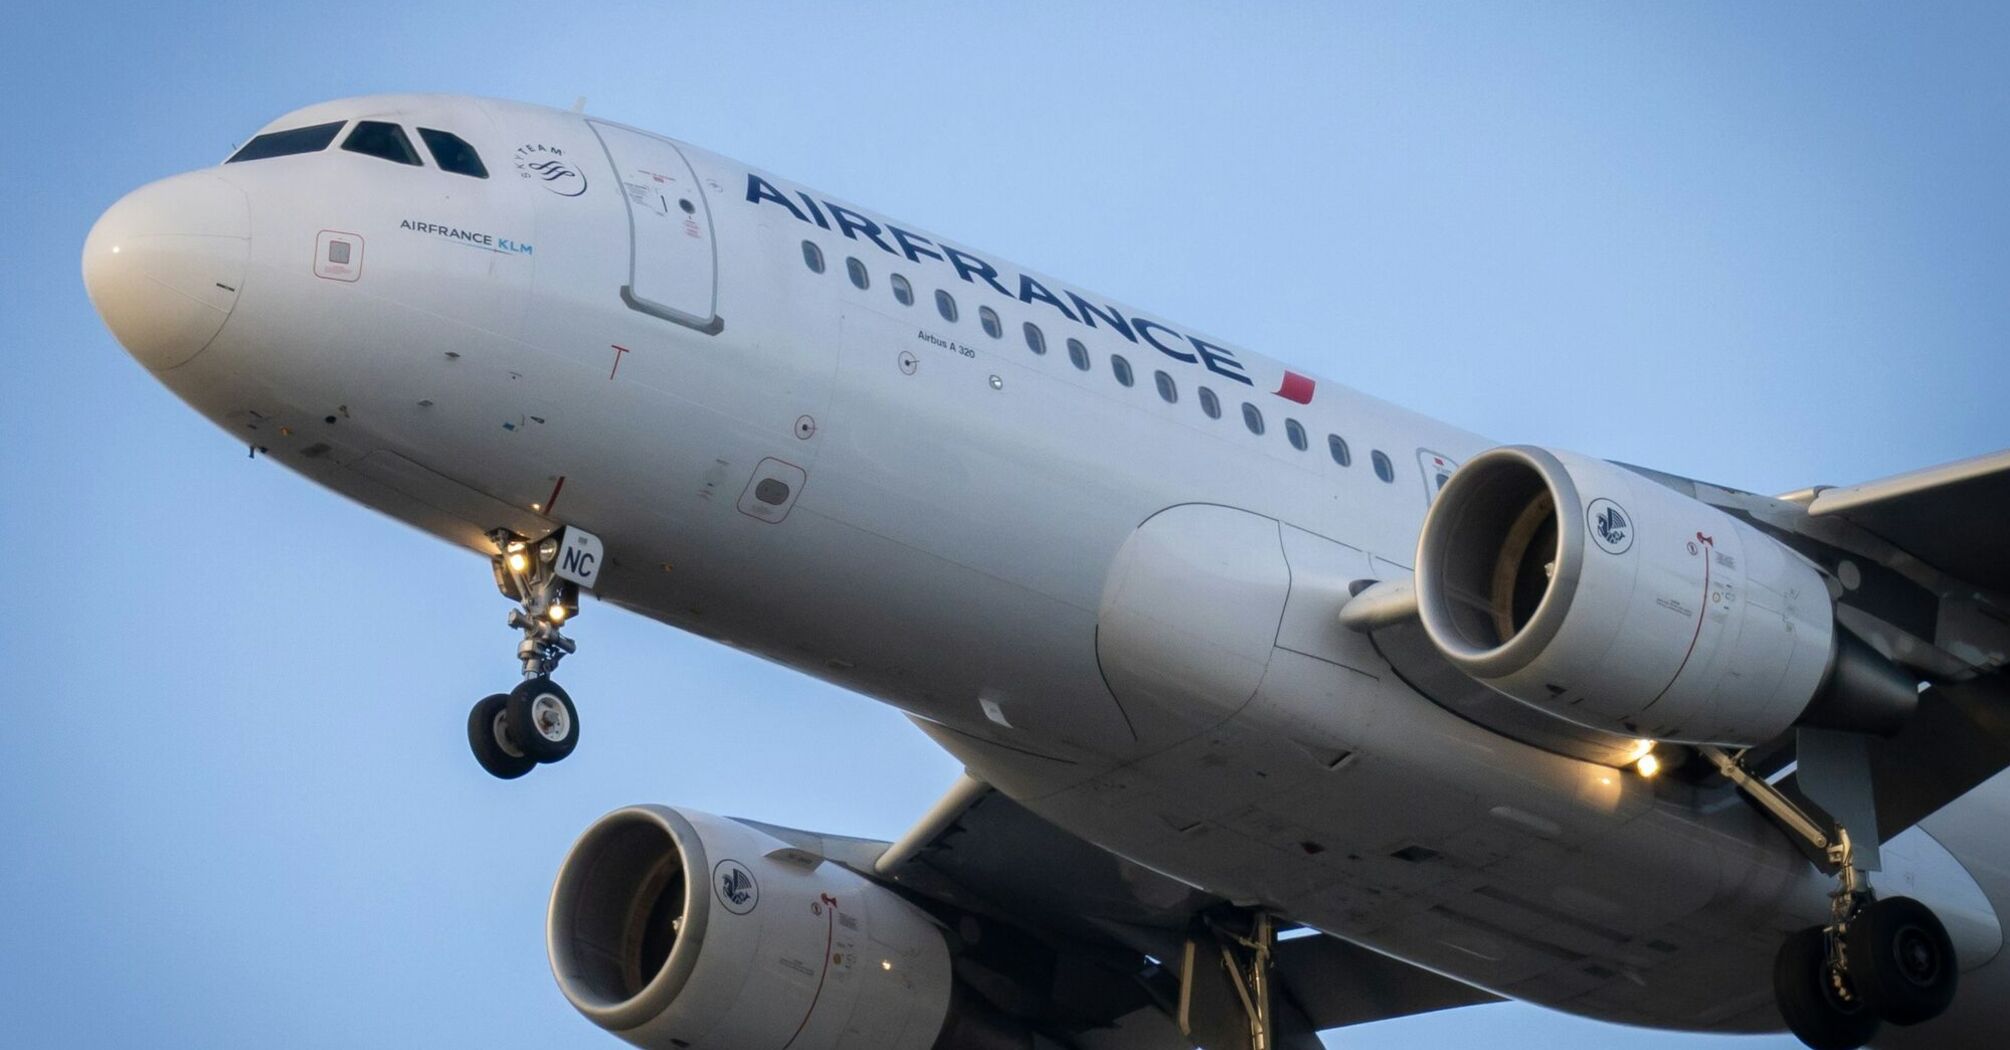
point(1030, 289)
point(1220, 360)
point(911, 245)
point(758, 190)
point(967, 265)
point(812, 206)
point(851, 222)
point(1091, 311)
point(1145, 329)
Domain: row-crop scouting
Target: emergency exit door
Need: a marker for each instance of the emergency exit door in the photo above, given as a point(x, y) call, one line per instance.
point(673, 266)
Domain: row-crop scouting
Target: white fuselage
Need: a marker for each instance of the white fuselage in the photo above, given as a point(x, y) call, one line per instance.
point(572, 345)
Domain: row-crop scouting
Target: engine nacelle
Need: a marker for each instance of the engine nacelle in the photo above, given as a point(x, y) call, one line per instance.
point(1605, 598)
point(671, 928)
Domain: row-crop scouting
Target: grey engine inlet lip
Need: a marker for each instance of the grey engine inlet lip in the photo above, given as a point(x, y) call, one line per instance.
point(1469, 493)
point(569, 898)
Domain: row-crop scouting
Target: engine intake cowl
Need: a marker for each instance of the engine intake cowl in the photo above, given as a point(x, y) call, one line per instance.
point(672, 928)
point(1605, 598)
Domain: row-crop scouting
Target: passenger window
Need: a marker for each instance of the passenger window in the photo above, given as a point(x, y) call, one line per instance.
point(452, 153)
point(945, 304)
point(813, 257)
point(1079, 354)
point(1168, 392)
point(1295, 434)
point(902, 290)
point(286, 143)
point(1036, 340)
point(374, 138)
point(1383, 468)
point(856, 270)
point(1341, 453)
point(1252, 417)
point(1209, 403)
point(988, 317)
point(1122, 368)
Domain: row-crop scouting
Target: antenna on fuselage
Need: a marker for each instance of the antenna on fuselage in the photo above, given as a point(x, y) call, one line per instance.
point(579, 104)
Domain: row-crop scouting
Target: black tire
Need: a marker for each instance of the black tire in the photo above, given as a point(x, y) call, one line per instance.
point(545, 722)
point(1903, 960)
point(1809, 1001)
point(493, 742)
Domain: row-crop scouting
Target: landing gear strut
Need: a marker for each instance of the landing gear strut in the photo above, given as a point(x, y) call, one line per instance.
point(1243, 945)
point(1874, 962)
point(535, 722)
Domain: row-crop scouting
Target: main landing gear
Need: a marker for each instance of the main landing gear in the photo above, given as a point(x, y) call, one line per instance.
point(1875, 962)
point(1225, 989)
point(535, 722)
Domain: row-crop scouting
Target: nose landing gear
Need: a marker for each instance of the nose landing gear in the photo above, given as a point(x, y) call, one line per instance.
point(1876, 961)
point(536, 722)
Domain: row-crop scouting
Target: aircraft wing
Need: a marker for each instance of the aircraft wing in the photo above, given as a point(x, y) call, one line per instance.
point(1941, 530)
point(1119, 935)
point(1922, 561)
point(1951, 517)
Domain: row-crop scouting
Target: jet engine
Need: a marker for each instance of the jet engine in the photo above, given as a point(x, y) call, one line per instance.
point(1603, 597)
point(671, 928)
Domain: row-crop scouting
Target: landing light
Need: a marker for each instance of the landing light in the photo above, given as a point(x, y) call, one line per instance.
point(886, 964)
point(517, 562)
point(557, 613)
point(1645, 762)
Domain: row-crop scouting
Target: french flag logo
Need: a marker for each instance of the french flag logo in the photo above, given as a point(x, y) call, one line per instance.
point(1296, 388)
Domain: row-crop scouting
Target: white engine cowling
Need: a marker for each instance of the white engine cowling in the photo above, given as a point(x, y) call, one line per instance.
point(1605, 598)
point(671, 928)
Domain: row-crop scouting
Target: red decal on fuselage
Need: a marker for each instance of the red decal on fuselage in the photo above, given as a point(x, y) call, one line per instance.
point(1296, 388)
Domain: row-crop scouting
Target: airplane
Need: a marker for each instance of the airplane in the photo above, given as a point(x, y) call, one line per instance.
point(1282, 708)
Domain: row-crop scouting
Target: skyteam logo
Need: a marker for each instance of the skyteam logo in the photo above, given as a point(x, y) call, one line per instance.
point(735, 887)
point(1610, 528)
point(550, 168)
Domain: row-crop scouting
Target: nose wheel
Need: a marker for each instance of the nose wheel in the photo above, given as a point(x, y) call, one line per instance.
point(536, 722)
point(543, 718)
point(494, 741)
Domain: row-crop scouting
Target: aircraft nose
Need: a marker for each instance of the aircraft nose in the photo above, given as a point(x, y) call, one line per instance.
point(163, 266)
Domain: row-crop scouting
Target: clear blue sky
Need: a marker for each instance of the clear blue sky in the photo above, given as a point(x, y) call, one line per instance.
point(1762, 244)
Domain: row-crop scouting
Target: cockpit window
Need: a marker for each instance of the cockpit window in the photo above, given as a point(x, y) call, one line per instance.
point(286, 143)
point(452, 153)
point(378, 139)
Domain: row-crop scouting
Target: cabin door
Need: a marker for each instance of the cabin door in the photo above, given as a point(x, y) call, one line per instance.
point(674, 265)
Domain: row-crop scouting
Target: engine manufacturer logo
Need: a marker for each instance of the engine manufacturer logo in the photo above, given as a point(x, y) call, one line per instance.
point(551, 168)
point(1610, 528)
point(735, 887)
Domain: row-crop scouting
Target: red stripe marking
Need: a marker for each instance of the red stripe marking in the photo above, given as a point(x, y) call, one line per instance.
point(1709, 548)
point(551, 500)
point(830, 935)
